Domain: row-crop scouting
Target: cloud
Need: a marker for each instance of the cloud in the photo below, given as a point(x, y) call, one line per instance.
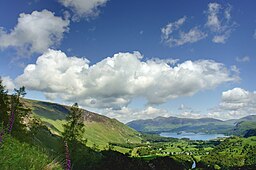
point(8, 83)
point(34, 33)
point(115, 81)
point(243, 59)
point(235, 103)
point(84, 8)
point(191, 36)
point(219, 22)
point(254, 35)
point(191, 114)
point(221, 38)
point(126, 114)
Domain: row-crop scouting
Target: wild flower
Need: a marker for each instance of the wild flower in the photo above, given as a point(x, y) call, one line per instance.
point(68, 161)
point(11, 122)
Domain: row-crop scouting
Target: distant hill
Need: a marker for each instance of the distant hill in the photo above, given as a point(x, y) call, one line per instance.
point(245, 126)
point(207, 125)
point(99, 129)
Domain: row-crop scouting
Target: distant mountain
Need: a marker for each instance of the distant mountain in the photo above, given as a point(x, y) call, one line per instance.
point(245, 126)
point(175, 124)
point(99, 129)
point(251, 118)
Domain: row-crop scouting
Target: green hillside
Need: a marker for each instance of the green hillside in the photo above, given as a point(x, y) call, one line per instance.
point(205, 125)
point(175, 124)
point(242, 127)
point(99, 129)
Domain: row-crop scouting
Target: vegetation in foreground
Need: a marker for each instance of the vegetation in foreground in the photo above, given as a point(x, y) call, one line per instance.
point(37, 142)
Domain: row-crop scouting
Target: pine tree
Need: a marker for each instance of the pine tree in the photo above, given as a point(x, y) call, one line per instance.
point(18, 112)
point(74, 128)
point(73, 132)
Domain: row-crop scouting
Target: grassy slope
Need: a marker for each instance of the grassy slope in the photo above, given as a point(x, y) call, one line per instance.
point(17, 155)
point(99, 129)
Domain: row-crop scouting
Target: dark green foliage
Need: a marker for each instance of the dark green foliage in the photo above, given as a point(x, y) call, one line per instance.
point(20, 111)
point(4, 106)
point(249, 133)
point(117, 161)
point(73, 133)
point(151, 137)
point(85, 158)
point(74, 128)
point(250, 158)
point(231, 154)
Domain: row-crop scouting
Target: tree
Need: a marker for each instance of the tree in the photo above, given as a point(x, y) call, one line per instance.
point(73, 132)
point(4, 105)
point(19, 113)
point(74, 128)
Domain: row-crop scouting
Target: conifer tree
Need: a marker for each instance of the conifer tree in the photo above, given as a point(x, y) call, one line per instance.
point(18, 112)
point(74, 128)
point(73, 132)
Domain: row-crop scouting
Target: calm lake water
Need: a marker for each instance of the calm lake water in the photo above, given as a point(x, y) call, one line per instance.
point(192, 136)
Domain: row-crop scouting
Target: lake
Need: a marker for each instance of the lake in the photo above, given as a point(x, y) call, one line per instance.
point(192, 136)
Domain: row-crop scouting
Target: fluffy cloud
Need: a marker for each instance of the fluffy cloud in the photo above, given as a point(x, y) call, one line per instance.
point(235, 103)
point(254, 35)
point(243, 59)
point(84, 8)
point(126, 114)
point(115, 81)
point(34, 32)
point(219, 22)
point(193, 35)
point(8, 83)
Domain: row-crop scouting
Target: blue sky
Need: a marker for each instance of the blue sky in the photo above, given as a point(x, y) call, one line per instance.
point(192, 59)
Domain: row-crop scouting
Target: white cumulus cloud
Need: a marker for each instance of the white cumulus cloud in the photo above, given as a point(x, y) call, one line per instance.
point(34, 33)
point(84, 8)
point(235, 103)
point(192, 35)
point(115, 81)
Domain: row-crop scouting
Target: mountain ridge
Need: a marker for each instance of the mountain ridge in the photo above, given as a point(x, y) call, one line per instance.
point(176, 124)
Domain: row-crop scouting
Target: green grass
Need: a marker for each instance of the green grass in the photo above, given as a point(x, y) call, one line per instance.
point(121, 149)
point(19, 156)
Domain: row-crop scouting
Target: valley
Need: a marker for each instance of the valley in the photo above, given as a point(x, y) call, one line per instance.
point(104, 136)
point(109, 144)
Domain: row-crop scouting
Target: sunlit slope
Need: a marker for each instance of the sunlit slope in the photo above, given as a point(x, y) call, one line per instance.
point(100, 130)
